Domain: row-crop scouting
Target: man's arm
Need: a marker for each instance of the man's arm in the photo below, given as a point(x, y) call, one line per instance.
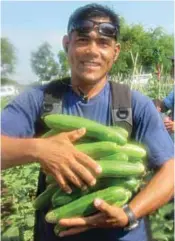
point(159, 191)
point(57, 156)
point(17, 151)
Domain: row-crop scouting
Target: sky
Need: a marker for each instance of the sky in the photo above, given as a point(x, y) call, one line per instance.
point(27, 24)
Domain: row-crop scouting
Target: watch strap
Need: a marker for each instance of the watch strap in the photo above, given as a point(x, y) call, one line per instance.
point(132, 220)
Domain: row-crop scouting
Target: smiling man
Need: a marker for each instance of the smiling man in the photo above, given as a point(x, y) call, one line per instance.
point(92, 47)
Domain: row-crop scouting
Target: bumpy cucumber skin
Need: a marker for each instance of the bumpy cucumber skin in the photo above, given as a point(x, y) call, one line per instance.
point(93, 129)
point(84, 205)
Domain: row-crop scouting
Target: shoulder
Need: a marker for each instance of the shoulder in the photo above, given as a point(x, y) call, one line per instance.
point(149, 129)
point(30, 96)
point(140, 102)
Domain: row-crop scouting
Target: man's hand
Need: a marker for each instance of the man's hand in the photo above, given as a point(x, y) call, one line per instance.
point(169, 124)
point(59, 157)
point(109, 217)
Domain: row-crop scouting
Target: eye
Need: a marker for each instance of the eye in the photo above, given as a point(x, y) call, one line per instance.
point(105, 42)
point(82, 39)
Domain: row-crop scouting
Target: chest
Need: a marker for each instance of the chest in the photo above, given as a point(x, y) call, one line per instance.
point(97, 109)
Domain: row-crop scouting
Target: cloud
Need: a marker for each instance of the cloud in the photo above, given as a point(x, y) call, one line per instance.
point(26, 41)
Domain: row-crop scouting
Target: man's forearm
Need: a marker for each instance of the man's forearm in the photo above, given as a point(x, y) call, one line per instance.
point(17, 151)
point(158, 192)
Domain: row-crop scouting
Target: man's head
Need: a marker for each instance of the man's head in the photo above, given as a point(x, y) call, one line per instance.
point(91, 43)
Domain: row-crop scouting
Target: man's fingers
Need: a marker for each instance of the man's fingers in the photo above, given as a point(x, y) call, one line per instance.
point(73, 231)
point(73, 178)
point(62, 183)
point(83, 173)
point(76, 134)
point(88, 162)
point(82, 221)
point(104, 207)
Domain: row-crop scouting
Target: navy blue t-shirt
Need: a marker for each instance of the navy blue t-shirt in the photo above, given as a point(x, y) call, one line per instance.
point(19, 116)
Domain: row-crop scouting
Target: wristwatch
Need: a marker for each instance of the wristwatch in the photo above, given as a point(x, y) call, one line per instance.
point(133, 222)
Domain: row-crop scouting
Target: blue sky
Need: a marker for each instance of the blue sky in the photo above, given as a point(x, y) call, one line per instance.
point(28, 24)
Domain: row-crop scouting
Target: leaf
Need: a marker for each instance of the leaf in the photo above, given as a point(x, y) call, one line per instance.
point(159, 236)
point(11, 232)
point(167, 209)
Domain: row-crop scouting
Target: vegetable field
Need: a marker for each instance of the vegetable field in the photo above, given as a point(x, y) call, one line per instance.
point(18, 190)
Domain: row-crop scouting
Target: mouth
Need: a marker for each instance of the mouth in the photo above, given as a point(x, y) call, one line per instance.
point(90, 64)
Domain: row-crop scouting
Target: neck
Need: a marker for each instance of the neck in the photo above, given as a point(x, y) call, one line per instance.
point(89, 90)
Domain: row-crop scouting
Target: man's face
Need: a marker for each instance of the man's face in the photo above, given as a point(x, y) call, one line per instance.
point(91, 55)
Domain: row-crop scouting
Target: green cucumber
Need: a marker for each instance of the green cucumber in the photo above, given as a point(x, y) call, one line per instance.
point(58, 228)
point(98, 149)
point(84, 205)
point(50, 133)
point(61, 198)
point(121, 169)
point(44, 199)
point(117, 157)
point(121, 130)
point(93, 129)
point(50, 179)
point(132, 150)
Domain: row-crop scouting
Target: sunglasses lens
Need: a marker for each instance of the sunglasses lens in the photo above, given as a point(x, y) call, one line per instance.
point(85, 26)
point(108, 29)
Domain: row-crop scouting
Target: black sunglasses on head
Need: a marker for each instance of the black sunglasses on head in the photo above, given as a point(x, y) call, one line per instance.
point(86, 26)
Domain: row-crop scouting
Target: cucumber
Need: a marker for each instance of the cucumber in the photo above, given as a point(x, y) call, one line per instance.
point(97, 150)
point(82, 140)
point(93, 129)
point(58, 228)
point(51, 133)
point(117, 157)
point(113, 168)
point(84, 205)
point(132, 150)
point(121, 130)
point(61, 198)
point(44, 199)
point(50, 179)
point(121, 169)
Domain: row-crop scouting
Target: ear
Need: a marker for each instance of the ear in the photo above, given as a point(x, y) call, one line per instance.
point(117, 51)
point(65, 43)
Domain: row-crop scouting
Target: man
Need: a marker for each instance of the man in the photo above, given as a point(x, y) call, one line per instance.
point(168, 104)
point(92, 48)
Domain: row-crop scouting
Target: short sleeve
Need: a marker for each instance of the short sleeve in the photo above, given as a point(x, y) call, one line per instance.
point(169, 100)
point(19, 116)
point(149, 129)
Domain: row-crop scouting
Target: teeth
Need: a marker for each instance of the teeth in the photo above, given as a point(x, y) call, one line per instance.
point(90, 64)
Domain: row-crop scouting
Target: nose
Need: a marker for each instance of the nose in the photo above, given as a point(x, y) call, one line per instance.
point(92, 46)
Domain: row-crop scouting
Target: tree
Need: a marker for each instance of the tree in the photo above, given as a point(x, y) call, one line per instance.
point(43, 63)
point(8, 58)
point(143, 50)
point(64, 65)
